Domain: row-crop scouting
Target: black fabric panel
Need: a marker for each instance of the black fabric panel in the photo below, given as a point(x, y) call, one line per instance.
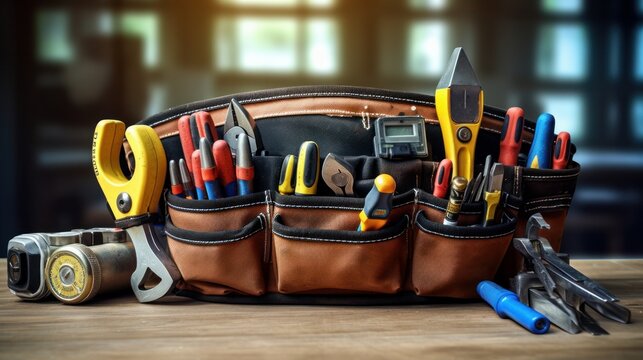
point(464, 232)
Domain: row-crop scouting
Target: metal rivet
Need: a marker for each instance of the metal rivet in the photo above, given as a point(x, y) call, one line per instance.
point(124, 202)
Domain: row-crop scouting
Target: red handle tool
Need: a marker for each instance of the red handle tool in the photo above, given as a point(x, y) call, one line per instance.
point(511, 136)
point(562, 150)
point(186, 139)
point(205, 126)
point(442, 179)
point(225, 166)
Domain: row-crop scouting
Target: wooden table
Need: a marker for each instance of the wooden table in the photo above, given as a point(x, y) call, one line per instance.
point(121, 327)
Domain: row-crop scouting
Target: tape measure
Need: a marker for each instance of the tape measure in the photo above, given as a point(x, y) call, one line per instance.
point(73, 274)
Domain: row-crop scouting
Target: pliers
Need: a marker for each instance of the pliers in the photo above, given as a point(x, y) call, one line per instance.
point(238, 121)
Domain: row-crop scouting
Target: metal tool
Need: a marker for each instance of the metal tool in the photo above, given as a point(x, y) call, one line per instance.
point(135, 201)
point(540, 153)
point(562, 151)
point(225, 166)
point(209, 170)
point(458, 185)
point(492, 193)
point(307, 169)
point(459, 103)
point(472, 189)
point(507, 304)
point(479, 191)
point(245, 170)
point(239, 121)
point(338, 174)
point(185, 136)
point(205, 126)
point(442, 179)
point(186, 179)
point(78, 272)
point(287, 176)
point(176, 185)
point(551, 286)
point(400, 137)
point(377, 204)
point(199, 185)
point(511, 136)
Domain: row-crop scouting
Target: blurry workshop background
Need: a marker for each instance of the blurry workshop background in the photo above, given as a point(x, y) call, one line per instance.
point(67, 64)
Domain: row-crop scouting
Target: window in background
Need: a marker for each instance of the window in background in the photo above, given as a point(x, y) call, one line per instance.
point(276, 44)
point(637, 118)
point(638, 54)
point(562, 6)
point(146, 26)
point(562, 52)
point(53, 42)
point(427, 52)
point(568, 109)
point(428, 4)
point(278, 3)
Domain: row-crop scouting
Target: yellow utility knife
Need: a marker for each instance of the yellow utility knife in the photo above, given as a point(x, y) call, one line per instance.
point(459, 101)
point(135, 201)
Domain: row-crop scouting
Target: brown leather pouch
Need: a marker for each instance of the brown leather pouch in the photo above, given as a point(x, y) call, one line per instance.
point(271, 248)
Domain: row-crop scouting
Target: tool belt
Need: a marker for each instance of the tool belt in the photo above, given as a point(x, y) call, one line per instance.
point(271, 248)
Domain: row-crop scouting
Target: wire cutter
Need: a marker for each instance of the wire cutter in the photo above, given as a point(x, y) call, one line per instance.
point(557, 290)
point(238, 121)
point(134, 202)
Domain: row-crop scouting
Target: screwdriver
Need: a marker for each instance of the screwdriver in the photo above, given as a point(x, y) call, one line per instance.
point(459, 103)
point(186, 179)
point(506, 304)
point(209, 170)
point(225, 167)
point(245, 169)
point(186, 138)
point(442, 179)
point(307, 169)
point(205, 126)
point(541, 148)
point(562, 151)
point(287, 175)
point(511, 136)
point(377, 204)
point(176, 185)
point(198, 177)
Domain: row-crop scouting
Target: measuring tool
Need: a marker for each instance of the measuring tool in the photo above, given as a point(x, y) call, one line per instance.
point(400, 137)
point(135, 201)
point(459, 103)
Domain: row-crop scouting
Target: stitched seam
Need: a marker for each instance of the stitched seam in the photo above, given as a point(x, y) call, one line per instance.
point(512, 206)
point(301, 95)
point(548, 200)
point(549, 177)
point(214, 242)
point(318, 207)
point(186, 209)
point(336, 240)
point(560, 206)
point(462, 237)
point(441, 209)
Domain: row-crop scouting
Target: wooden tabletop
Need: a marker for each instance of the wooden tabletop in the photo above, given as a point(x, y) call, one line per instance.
point(119, 327)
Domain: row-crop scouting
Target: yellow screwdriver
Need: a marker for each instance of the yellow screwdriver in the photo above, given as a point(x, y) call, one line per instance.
point(459, 102)
point(378, 204)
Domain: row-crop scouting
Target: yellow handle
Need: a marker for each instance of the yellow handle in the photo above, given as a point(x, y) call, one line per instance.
point(491, 199)
point(140, 194)
point(462, 154)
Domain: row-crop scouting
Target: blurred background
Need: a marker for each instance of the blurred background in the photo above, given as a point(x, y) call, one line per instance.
point(67, 64)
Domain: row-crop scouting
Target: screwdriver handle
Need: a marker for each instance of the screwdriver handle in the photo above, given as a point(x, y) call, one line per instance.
point(287, 176)
point(541, 148)
point(225, 167)
point(506, 304)
point(442, 179)
point(186, 139)
point(562, 151)
point(378, 204)
point(198, 177)
point(307, 169)
point(511, 136)
point(205, 126)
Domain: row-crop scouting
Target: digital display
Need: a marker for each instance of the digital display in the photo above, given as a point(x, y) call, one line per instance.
point(399, 130)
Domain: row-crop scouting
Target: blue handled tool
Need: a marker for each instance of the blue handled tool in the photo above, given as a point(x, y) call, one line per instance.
point(540, 154)
point(506, 304)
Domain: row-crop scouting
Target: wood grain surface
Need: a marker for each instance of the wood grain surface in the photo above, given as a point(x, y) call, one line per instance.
point(119, 327)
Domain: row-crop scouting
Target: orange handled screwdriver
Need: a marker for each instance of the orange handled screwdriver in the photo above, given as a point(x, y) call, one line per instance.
point(511, 136)
point(562, 150)
point(442, 179)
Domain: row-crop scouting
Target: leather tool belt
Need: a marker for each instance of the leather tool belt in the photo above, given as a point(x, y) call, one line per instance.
point(270, 248)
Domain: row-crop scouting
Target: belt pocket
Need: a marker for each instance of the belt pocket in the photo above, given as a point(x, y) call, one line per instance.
point(220, 262)
point(322, 261)
point(449, 261)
